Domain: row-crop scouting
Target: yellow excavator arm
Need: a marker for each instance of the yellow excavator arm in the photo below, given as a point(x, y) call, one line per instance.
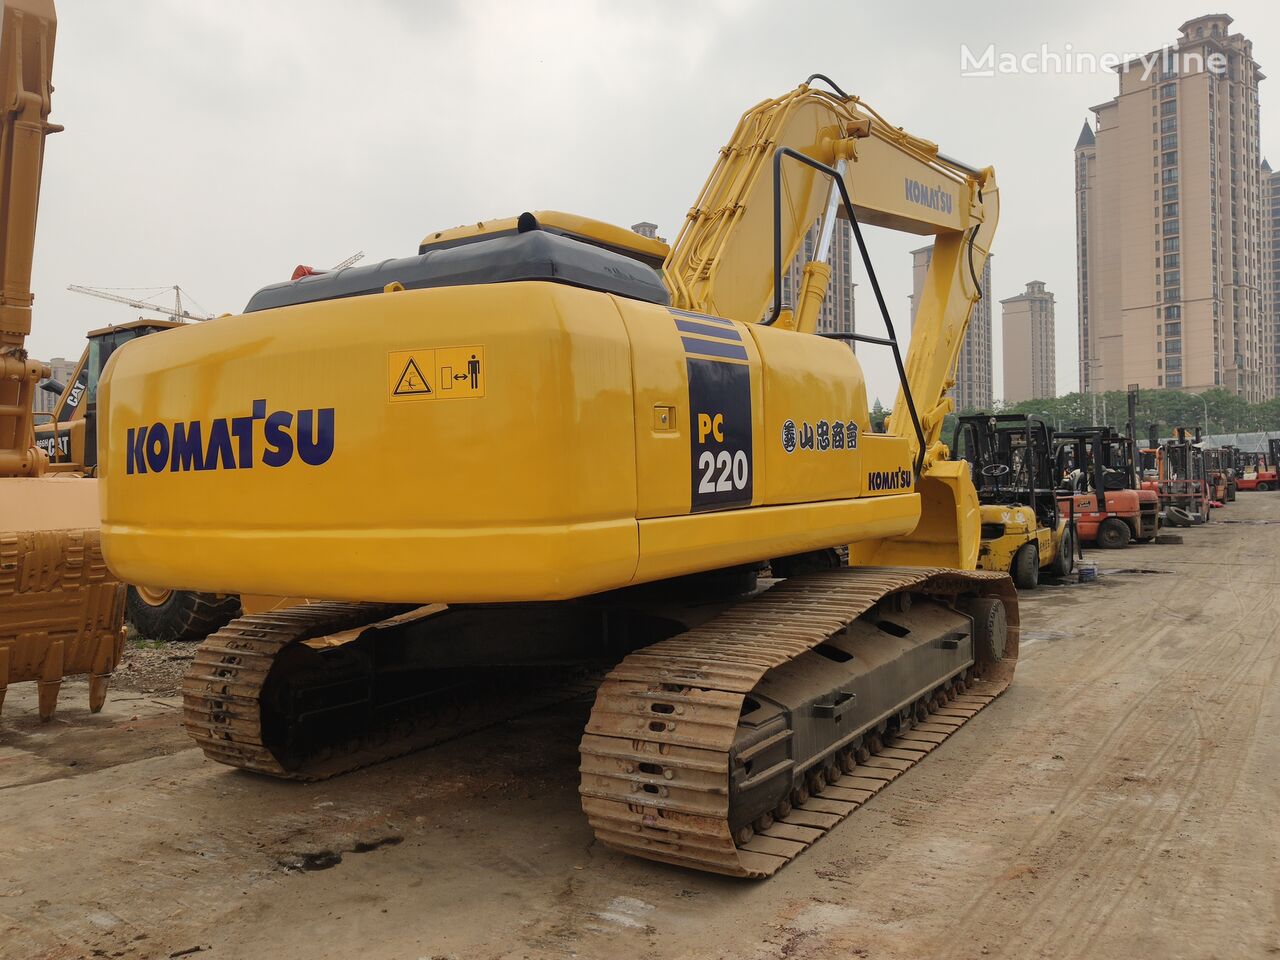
point(26, 62)
point(777, 177)
point(61, 611)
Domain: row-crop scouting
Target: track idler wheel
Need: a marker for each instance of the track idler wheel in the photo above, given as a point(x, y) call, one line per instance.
point(990, 629)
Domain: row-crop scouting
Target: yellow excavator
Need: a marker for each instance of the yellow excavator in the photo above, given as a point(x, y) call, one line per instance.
point(602, 447)
point(61, 610)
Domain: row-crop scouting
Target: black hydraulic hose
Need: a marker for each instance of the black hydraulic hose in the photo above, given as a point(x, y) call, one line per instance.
point(973, 235)
point(829, 82)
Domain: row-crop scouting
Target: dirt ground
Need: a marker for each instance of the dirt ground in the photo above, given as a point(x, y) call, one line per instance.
point(1121, 800)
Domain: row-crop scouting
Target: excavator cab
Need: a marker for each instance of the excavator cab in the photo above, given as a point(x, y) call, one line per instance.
point(68, 437)
point(1024, 531)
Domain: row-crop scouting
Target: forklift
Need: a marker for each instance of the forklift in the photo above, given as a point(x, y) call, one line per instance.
point(1254, 472)
point(1175, 470)
point(69, 437)
point(1098, 486)
point(1023, 528)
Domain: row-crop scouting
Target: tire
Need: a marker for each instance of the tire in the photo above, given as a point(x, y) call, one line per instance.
point(1065, 561)
point(1264, 486)
point(1177, 517)
point(1026, 567)
point(172, 615)
point(1113, 533)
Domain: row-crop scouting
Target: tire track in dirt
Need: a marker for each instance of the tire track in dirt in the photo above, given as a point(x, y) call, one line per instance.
point(1156, 709)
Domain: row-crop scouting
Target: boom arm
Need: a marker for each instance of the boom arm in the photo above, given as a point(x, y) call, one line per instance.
point(722, 261)
point(26, 62)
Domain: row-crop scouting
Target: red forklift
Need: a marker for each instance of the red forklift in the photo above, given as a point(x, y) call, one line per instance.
point(1257, 470)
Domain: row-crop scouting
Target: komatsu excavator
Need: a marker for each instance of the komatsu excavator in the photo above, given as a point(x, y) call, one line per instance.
point(61, 611)
point(593, 455)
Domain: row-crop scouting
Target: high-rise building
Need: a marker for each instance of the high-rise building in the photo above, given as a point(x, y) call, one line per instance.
point(837, 308)
point(61, 369)
point(1029, 354)
point(1169, 289)
point(974, 388)
point(1270, 187)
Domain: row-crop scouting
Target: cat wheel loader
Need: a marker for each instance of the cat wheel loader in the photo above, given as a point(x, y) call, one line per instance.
point(602, 444)
point(1024, 530)
point(69, 440)
point(61, 610)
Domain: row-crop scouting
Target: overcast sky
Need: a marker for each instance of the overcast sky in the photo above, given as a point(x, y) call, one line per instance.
point(217, 145)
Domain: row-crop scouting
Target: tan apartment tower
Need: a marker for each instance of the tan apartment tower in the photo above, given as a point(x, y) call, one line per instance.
point(837, 308)
point(1270, 281)
point(1168, 221)
point(974, 389)
point(1028, 339)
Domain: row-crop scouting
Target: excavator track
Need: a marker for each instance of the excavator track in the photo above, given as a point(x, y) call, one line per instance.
point(663, 756)
point(227, 695)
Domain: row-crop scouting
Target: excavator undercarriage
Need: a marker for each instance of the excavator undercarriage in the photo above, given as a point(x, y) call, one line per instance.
point(730, 745)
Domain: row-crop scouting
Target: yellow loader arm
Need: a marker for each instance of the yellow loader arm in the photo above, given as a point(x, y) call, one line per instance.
point(61, 611)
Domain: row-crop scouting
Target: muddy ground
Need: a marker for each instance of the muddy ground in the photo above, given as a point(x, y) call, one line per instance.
point(1121, 800)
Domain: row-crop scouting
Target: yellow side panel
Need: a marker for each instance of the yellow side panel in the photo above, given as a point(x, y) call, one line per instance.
point(527, 492)
point(813, 392)
point(677, 422)
point(675, 545)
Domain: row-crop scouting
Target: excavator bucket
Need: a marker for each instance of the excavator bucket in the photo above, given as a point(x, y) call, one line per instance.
point(61, 611)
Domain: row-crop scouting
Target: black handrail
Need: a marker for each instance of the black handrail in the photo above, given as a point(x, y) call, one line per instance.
point(892, 340)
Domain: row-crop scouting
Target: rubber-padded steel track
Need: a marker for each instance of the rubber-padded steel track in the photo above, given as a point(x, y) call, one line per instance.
point(658, 787)
point(223, 690)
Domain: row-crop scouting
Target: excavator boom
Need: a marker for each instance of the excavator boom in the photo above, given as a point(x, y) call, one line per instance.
point(762, 198)
point(61, 611)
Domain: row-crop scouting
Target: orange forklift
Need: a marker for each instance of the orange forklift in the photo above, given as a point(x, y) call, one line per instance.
point(1175, 470)
point(1099, 484)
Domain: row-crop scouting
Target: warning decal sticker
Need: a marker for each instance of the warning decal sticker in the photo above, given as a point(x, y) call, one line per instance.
point(411, 382)
point(436, 373)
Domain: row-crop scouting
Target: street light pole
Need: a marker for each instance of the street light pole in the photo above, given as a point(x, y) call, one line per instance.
point(1200, 397)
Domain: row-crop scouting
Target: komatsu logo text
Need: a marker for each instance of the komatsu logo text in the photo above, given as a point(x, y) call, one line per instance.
point(935, 198)
point(888, 479)
point(232, 443)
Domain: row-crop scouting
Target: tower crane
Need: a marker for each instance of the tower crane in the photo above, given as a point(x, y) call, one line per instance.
point(177, 312)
